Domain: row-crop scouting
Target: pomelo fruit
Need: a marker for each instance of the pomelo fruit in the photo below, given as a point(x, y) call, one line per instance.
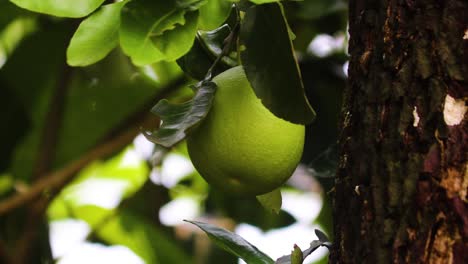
point(241, 147)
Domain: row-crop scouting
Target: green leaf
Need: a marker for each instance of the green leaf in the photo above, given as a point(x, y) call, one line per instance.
point(213, 14)
point(175, 43)
point(62, 8)
point(124, 227)
point(213, 42)
point(177, 119)
point(259, 2)
point(206, 48)
point(268, 58)
point(271, 201)
point(190, 4)
point(153, 31)
point(288, 259)
point(296, 255)
point(234, 244)
point(197, 62)
point(321, 236)
point(96, 36)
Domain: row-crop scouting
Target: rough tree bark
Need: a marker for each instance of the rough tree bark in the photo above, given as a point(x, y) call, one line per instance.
point(401, 186)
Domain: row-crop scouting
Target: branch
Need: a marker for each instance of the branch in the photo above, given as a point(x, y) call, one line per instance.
point(57, 180)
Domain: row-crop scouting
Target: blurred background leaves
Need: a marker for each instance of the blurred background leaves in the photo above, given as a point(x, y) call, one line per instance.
point(133, 200)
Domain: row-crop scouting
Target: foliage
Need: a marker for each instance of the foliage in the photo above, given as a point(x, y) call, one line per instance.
point(249, 253)
point(78, 80)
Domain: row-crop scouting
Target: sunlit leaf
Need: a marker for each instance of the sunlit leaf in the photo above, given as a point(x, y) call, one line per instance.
point(258, 2)
point(190, 4)
point(271, 201)
point(178, 118)
point(153, 31)
point(119, 178)
point(96, 36)
point(234, 244)
point(62, 8)
point(13, 33)
point(270, 64)
point(178, 41)
point(213, 13)
point(126, 228)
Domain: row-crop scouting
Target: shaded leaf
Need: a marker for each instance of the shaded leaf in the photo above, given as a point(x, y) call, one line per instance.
point(206, 48)
point(320, 8)
point(197, 62)
point(214, 41)
point(176, 119)
point(40, 55)
point(271, 201)
point(234, 244)
point(268, 58)
point(324, 165)
point(321, 236)
point(63, 8)
point(96, 36)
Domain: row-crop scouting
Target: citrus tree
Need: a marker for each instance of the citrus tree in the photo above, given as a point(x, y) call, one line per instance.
point(238, 88)
point(82, 79)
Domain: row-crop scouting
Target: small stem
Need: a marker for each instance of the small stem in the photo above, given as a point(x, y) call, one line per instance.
point(226, 48)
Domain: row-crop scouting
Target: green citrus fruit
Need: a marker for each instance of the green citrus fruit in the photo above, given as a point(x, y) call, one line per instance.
point(241, 147)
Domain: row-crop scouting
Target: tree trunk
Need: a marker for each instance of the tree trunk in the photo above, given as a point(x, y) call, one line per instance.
point(401, 188)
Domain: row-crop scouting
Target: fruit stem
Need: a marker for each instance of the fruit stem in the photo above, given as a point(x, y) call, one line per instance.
point(228, 41)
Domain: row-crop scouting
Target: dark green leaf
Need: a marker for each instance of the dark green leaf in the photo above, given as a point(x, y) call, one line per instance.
point(177, 119)
point(213, 42)
point(271, 201)
point(62, 8)
point(321, 236)
point(196, 62)
point(268, 58)
point(234, 244)
point(206, 48)
point(96, 36)
point(296, 255)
